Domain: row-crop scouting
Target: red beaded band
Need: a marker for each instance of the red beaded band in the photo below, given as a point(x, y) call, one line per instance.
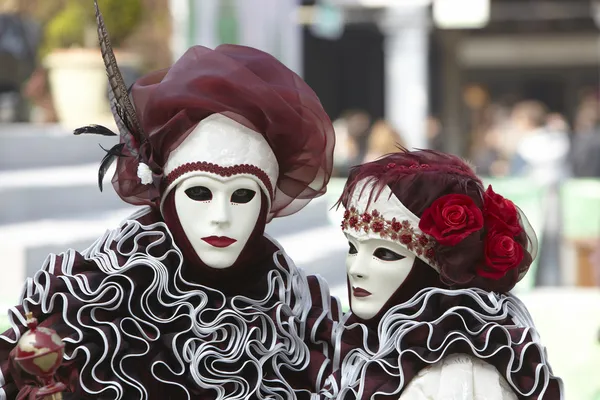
point(222, 171)
point(402, 232)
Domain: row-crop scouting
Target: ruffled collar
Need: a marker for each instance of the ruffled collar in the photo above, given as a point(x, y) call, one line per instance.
point(434, 324)
point(124, 303)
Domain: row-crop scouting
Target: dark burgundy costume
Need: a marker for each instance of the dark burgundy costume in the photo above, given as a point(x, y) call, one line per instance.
point(141, 315)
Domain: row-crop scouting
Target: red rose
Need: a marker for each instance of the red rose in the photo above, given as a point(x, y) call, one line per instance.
point(500, 213)
point(502, 254)
point(451, 218)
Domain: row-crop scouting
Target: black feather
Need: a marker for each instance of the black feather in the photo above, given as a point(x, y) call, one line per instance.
point(109, 158)
point(94, 129)
point(121, 105)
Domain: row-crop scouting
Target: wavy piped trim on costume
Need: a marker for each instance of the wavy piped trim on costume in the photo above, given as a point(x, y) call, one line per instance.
point(478, 322)
point(2, 383)
point(222, 335)
point(222, 171)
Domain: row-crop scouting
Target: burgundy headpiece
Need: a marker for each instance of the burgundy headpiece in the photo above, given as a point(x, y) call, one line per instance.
point(434, 205)
point(244, 84)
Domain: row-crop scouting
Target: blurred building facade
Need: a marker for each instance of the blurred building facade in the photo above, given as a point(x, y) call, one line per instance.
point(393, 61)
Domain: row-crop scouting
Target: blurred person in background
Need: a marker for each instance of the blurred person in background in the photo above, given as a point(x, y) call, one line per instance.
point(382, 140)
point(19, 40)
point(434, 133)
point(345, 148)
point(488, 158)
point(542, 155)
point(585, 145)
point(540, 152)
point(584, 158)
point(351, 132)
point(488, 153)
point(556, 122)
point(37, 91)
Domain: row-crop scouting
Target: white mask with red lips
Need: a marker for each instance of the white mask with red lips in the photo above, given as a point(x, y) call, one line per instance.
point(218, 216)
point(377, 264)
point(376, 268)
point(218, 191)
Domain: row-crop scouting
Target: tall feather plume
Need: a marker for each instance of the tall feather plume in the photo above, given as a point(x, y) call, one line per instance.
point(121, 106)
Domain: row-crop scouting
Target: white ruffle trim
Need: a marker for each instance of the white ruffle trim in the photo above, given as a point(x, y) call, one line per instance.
point(397, 323)
point(252, 336)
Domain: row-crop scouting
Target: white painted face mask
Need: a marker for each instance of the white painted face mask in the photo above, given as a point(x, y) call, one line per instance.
point(376, 269)
point(218, 216)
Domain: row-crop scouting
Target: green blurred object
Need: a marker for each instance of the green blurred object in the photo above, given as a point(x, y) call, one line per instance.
point(70, 27)
point(562, 318)
point(4, 325)
point(581, 208)
point(328, 22)
point(228, 23)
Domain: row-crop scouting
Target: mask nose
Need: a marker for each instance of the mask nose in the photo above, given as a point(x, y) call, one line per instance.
point(220, 212)
point(358, 265)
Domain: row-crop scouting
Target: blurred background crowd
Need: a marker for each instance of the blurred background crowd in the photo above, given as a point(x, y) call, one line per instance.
point(510, 85)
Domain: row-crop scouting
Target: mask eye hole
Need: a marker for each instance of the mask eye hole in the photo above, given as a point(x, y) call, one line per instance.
point(352, 249)
point(199, 193)
point(242, 196)
point(387, 255)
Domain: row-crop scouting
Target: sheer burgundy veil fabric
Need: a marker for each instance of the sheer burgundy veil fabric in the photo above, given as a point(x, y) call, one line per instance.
point(249, 86)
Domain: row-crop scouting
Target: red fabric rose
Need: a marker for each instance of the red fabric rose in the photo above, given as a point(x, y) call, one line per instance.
point(502, 254)
point(500, 213)
point(451, 218)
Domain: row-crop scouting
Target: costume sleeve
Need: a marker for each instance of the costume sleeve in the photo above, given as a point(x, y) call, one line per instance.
point(459, 377)
point(50, 297)
point(324, 313)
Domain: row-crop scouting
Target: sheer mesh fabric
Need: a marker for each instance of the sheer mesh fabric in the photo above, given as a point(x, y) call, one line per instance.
point(249, 86)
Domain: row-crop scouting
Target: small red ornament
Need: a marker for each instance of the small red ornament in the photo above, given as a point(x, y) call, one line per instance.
point(39, 352)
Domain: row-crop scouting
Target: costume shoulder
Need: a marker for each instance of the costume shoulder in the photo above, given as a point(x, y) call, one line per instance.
point(436, 324)
point(459, 377)
point(67, 295)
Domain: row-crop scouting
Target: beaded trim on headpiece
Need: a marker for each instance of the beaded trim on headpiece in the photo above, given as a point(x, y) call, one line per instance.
point(385, 217)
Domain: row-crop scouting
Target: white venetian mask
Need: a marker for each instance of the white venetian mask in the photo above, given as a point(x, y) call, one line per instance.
point(218, 215)
point(376, 269)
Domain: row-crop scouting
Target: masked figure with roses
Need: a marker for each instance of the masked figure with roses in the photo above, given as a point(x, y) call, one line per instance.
point(432, 258)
